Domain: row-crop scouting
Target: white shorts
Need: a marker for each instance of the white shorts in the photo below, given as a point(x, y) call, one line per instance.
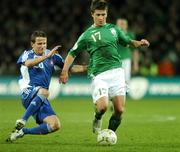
point(110, 83)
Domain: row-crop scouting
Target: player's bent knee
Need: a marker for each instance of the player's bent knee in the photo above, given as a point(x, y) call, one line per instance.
point(43, 92)
point(53, 122)
point(55, 125)
point(103, 109)
point(119, 111)
point(102, 106)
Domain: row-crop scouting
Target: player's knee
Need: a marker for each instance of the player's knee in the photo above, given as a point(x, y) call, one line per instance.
point(43, 92)
point(55, 125)
point(119, 111)
point(103, 109)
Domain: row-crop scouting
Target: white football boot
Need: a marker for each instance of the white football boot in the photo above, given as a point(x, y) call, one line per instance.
point(15, 135)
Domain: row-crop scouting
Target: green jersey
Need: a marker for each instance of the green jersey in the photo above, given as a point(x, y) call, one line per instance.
point(125, 52)
point(102, 45)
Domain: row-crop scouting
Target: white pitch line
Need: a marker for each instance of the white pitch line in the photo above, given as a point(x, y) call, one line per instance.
point(161, 118)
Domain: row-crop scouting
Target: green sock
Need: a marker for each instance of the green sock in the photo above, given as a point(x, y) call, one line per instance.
point(114, 123)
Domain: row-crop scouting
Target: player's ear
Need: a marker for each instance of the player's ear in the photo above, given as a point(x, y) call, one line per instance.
point(92, 14)
point(32, 44)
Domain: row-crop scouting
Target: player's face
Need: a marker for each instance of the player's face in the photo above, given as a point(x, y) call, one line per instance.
point(122, 24)
point(99, 17)
point(40, 45)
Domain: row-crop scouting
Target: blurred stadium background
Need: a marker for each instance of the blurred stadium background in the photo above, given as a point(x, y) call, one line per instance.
point(157, 80)
point(64, 21)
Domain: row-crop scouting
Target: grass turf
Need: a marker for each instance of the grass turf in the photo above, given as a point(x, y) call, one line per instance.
point(147, 126)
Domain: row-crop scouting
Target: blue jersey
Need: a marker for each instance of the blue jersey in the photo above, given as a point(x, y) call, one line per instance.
point(38, 75)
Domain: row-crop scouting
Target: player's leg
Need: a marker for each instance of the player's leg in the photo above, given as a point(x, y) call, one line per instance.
point(117, 92)
point(100, 108)
point(115, 120)
point(50, 124)
point(100, 98)
point(27, 96)
point(36, 102)
point(47, 120)
point(32, 100)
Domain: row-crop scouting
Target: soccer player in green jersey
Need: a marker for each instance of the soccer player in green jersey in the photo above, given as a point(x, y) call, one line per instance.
point(128, 54)
point(101, 41)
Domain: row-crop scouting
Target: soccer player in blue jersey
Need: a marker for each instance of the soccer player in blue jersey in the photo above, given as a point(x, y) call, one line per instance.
point(101, 41)
point(37, 66)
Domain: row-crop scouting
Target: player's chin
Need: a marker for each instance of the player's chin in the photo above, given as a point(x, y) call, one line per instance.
point(41, 51)
point(101, 23)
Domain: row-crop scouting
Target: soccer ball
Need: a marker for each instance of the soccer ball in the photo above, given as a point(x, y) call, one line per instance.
point(106, 137)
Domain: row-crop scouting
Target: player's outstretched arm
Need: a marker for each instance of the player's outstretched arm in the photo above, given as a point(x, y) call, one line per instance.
point(136, 44)
point(64, 74)
point(33, 62)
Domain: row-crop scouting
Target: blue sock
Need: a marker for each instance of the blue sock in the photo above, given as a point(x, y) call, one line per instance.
point(43, 129)
point(33, 107)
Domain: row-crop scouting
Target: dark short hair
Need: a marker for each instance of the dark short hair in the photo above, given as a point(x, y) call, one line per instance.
point(37, 33)
point(99, 5)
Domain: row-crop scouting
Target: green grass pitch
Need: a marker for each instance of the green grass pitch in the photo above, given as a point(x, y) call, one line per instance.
point(147, 126)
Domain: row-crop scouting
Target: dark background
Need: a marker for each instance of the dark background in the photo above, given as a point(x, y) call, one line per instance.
point(64, 20)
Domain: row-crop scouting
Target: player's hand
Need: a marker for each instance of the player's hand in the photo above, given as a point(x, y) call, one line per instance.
point(63, 77)
point(145, 42)
point(54, 51)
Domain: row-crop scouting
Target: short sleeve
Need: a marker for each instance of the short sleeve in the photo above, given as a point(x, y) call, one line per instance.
point(23, 57)
point(79, 46)
point(122, 37)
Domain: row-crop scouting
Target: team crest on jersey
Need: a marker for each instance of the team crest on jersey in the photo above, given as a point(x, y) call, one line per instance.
point(113, 31)
point(51, 62)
